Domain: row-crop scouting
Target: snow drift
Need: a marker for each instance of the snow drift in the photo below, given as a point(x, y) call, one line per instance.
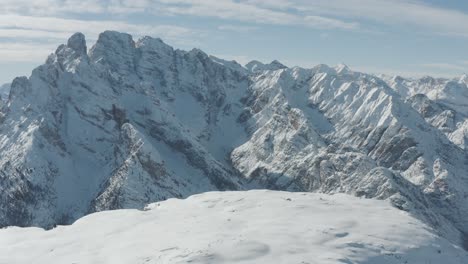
point(238, 227)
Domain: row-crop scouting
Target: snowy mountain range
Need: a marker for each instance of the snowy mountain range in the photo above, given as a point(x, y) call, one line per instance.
point(127, 123)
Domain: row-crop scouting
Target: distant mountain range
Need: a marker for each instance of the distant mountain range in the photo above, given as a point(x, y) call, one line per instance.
point(132, 122)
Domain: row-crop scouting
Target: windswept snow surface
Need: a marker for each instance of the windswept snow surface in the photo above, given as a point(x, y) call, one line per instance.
point(238, 227)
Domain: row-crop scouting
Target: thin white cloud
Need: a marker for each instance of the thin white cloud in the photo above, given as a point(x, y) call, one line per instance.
point(42, 31)
point(329, 23)
point(13, 24)
point(248, 12)
point(411, 73)
point(33, 34)
point(445, 66)
point(323, 14)
point(344, 14)
point(408, 13)
point(236, 28)
point(20, 52)
point(223, 9)
point(51, 7)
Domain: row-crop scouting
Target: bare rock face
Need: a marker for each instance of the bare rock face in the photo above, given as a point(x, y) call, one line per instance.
point(133, 122)
point(5, 91)
point(77, 42)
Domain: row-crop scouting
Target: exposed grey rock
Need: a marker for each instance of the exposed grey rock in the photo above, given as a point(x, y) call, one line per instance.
point(77, 42)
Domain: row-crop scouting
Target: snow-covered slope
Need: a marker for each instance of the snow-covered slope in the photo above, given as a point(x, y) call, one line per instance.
point(127, 123)
point(442, 102)
point(332, 130)
point(238, 227)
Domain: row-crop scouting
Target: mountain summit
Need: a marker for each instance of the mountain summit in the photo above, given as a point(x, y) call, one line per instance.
point(133, 122)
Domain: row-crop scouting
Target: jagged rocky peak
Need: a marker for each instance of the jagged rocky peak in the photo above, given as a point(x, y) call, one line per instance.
point(153, 45)
point(464, 79)
point(342, 69)
point(397, 79)
point(199, 54)
point(323, 68)
point(149, 39)
point(77, 42)
point(277, 64)
point(232, 64)
point(113, 47)
point(115, 39)
point(20, 87)
point(428, 80)
point(252, 65)
point(257, 66)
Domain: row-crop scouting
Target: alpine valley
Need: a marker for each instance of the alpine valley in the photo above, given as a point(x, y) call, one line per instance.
point(127, 123)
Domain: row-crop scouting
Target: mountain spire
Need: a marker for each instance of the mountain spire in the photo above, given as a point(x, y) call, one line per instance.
point(77, 42)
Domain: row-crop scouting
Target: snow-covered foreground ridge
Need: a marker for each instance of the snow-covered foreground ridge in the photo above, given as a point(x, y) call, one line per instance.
point(238, 227)
point(126, 123)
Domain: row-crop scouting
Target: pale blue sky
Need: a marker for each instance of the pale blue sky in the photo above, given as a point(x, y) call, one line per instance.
point(405, 37)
